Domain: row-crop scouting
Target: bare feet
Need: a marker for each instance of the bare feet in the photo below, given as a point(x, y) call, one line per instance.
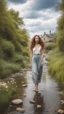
point(36, 87)
point(35, 90)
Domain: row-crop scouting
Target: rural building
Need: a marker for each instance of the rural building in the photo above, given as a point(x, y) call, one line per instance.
point(47, 37)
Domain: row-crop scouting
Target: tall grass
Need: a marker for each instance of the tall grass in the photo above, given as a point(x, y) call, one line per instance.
point(56, 65)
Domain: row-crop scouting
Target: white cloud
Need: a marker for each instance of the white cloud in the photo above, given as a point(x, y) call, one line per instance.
point(36, 22)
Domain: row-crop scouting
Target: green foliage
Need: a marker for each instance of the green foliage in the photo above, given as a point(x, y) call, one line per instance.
point(50, 45)
point(56, 56)
point(60, 23)
point(13, 41)
point(7, 48)
point(60, 6)
point(7, 90)
point(15, 16)
point(56, 65)
point(5, 96)
point(61, 40)
point(3, 5)
point(60, 27)
point(7, 68)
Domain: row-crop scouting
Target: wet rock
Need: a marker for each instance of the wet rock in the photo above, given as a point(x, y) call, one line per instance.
point(61, 92)
point(61, 111)
point(20, 109)
point(39, 106)
point(17, 101)
point(24, 85)
point(62, 101)
point(24, 95)
point(32, 102)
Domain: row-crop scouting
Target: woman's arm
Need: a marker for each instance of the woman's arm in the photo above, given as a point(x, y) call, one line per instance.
point(30, 56)
point(42, 52)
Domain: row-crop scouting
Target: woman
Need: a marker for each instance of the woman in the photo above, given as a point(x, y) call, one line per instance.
point(36, 59)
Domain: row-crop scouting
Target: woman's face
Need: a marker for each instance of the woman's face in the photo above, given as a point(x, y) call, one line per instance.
point(36, 39)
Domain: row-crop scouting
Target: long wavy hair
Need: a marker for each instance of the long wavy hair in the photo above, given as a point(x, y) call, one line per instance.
point(32, 43)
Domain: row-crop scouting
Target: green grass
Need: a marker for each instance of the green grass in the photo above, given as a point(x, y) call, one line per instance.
point(7, 68)
point(6, 93)
point(50, 46)
point(56, 65)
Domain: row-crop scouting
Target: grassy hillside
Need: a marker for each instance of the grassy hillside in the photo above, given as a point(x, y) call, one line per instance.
point(14, 41)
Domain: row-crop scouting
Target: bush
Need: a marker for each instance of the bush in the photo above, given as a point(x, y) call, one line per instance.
point(18, 58)
point(56, 66)
point(18, 46)
point(61, 41)
point(50, 46)
point(6, 93)
point(7, 49)
point(7, 68)
point(25, 52)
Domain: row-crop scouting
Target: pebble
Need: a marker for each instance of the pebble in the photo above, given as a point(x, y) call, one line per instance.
point(62, 101)
point(39, 106)
point(24, 85)
point(20, 109)
point(24, 95)
point(61, 111)
point(32, 101)
point(17, 101)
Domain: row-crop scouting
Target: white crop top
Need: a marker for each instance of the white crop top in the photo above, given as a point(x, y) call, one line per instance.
point(36, 50)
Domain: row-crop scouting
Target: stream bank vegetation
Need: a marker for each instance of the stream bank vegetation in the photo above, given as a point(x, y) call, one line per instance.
point(14, 54)
point(56, 50)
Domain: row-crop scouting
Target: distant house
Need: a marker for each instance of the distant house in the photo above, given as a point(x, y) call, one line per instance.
point(47, 37)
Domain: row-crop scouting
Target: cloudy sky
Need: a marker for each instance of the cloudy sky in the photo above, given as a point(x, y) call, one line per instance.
point(39, 15)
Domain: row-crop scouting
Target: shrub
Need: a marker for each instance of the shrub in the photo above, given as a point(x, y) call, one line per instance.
point(50, 46)
point(7, 49)
point(61, 41)
point(7, 68)
point(56, 66)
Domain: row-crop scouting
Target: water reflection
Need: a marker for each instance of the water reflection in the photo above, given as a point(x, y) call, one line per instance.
point(38, 98)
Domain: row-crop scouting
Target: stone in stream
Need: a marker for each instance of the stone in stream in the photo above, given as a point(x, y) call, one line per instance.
point(61, 111)
point(32, 102)
point(20, 109)
point(17, 101)
point(24, 95)
point(39, 106)
point(61, 92)
point(24, 85)
point(62, 101)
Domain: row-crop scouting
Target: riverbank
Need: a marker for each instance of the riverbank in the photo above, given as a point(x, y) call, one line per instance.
point(8, 88)
point(48, 97)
